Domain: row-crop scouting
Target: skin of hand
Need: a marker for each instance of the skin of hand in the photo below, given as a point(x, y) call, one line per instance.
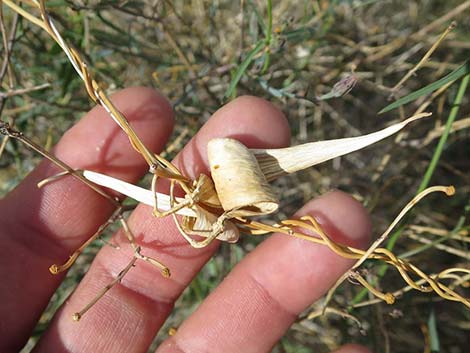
point(248, 312)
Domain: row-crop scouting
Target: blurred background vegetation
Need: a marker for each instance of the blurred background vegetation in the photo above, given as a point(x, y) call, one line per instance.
point(201, 54)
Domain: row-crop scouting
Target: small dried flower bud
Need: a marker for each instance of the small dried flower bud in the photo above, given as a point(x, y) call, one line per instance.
point(389, 298)
point(166, 272)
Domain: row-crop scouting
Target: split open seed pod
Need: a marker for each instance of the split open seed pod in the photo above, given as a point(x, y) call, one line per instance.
point(207, 193)
point(275, 163)
point(196, 220)
point(203, 224)
point(240, 176)
point(241, 185)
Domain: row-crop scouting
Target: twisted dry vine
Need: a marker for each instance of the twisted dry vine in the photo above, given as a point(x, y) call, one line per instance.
point(222, 205)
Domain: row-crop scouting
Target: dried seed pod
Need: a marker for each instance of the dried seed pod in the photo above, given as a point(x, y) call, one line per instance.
point(241, 185)
point(240, 175)
point(203, 223)
point(207, 192)
point(278, 162)
point(196, 220)
point(137, 193)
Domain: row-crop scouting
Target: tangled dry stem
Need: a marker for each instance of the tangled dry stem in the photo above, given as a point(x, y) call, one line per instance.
point(207, 201)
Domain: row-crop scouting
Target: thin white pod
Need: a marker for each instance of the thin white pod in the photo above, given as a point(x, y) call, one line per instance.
point(136, 192)
point(195, 221)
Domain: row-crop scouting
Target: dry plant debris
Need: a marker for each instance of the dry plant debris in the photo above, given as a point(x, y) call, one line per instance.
point(214, 208)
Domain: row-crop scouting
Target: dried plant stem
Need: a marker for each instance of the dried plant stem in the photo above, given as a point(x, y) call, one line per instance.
point(433, 96)
point(290, 227)
point(23, 91)
point(423, 59)
point(355, 276)
point(447, 190)
point(461, 235)
point(443, 19)
point(437, 132)
point(400, 136)
point(3, 144)
point(377, 53)
point(6, 130)
point(165, 271)
point(95, 92)
point(117, 215)
point(432, 165)
point(458, 281)
point(55, 269)
point(386, 158)
point(314, 314)
point(6, 67)
point(25, 14)
point(7, 49)
point(436, 244)
point(78, 315)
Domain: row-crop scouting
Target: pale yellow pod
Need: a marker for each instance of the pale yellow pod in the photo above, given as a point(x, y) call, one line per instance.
point(207, 193)
point(241, 185)
point(203, 223)
point(275, 163)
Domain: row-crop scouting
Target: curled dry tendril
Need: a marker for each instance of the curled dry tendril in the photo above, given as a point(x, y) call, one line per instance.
point(222, 205)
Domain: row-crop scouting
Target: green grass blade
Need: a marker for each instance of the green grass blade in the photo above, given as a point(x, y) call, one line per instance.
point(437, 152)
point(243, 66)
point(453, 76)
point(433, 334)
point(445, 135)
point(269, 29)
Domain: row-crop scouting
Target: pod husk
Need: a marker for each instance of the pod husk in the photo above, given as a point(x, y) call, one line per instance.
point(207, 192)
point(275, 163)
point(241, 185)
point(203, 223)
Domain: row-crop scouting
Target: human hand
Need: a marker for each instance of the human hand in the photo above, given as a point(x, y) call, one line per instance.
point(249, 311)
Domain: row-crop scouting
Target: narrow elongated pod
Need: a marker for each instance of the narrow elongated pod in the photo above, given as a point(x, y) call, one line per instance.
point(196, 219)
point(275, 163)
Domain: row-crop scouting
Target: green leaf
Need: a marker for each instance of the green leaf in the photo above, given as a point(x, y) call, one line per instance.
point(443, 139)
point(433, 334)
point(453, 76)
point(243, 66)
